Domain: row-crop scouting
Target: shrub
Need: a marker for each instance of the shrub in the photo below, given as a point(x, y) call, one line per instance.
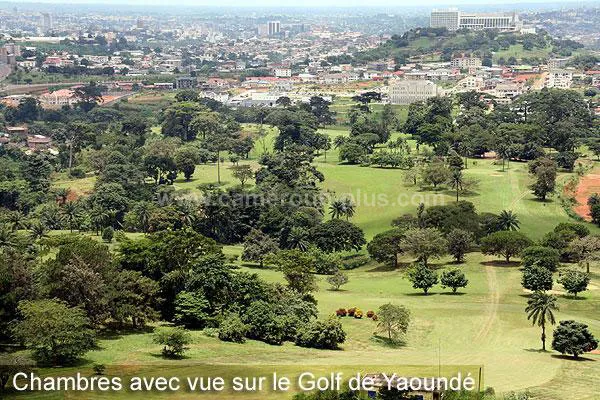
point(99, 369)
point(77, 173)
point(174, 342)
point(358, 314)
point(574, 281)
point(107, 234)
point(232, 329)
point(327, 334)
point(370, 313)
point(341, 312)
point(375, 317)
point(337, 280)
point(351, 311)
point(354, 261)
point(264, 324)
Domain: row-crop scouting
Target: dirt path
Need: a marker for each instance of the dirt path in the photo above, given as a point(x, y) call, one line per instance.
point(494, 300)
point(588, 185)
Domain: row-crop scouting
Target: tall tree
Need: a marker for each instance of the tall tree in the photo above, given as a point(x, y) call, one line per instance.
point(540, 310)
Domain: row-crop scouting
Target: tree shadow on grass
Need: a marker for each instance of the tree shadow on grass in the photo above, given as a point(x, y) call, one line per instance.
point(537, 351)
point(458, 294)
point(114, 332)
point(387, 342)
point(500, 263)
point(571, 358)
point(160, 356)
point(390, 268)
point(420, 294)
point(571, 297)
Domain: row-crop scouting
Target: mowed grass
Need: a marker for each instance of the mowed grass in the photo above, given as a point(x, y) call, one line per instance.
point(483, 325)
point(486, 325)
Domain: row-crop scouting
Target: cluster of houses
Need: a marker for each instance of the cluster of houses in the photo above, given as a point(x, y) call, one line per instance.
point(19, 137)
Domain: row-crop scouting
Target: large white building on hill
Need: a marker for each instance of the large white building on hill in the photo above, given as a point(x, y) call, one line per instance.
point(453, 19)
point(410, 91)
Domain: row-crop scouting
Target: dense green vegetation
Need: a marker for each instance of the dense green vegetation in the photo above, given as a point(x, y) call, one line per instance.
point(223, 229)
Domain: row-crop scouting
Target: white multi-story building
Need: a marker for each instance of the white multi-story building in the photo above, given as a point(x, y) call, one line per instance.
point(282, 72)
point(454, 19)
point(559, 79)
point(410, 91)
point(449, 19)
point(466, 62)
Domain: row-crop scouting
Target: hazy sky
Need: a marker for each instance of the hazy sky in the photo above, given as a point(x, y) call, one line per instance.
point(305, 3)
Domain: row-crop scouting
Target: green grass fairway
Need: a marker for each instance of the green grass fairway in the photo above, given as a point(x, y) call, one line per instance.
point(484, 326)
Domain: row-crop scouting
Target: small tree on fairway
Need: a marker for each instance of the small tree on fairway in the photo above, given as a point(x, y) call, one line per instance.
point(422, 277)
point(454, 279)
point(574, 281)
point(174, 342)
point(544, 173)
point(571, 337)
point(425, 243)
point(337, 280)
point(459, 243)
point(242, 173)
point(393, 320)
point(536, 278)
point(540, 309)
point(56, 333)
point(505, 243)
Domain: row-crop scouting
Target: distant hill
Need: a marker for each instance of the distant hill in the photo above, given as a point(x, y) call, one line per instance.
point(435, 44)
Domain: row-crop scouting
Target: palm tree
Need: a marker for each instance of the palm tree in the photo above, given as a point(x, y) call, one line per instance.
point(540, 309)
point(62, 194)
point(188, 211)
point(456, 181)
point(99, 218)
point(508, 221)
point(144, 210)
point(17, 219)
point(38, 230)
point(298, 238)
point(71, 212)
point(337, 209)
point(349, 208)
point(8, 238)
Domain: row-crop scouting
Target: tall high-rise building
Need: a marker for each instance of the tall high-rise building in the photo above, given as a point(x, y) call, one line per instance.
point(445, 19)
point(274, 28)
point(46, 22)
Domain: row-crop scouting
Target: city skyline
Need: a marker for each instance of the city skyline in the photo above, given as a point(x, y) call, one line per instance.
point(303, 4)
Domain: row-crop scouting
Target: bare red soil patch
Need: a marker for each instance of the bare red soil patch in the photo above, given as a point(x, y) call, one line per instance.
point(588, 185)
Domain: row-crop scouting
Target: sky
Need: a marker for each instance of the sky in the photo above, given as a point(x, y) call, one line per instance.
point(308, 3)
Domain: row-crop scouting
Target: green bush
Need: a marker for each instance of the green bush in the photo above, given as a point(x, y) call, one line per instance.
point(174, 342)
point(327, 334)
point(107, 234)
point(232, 329)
